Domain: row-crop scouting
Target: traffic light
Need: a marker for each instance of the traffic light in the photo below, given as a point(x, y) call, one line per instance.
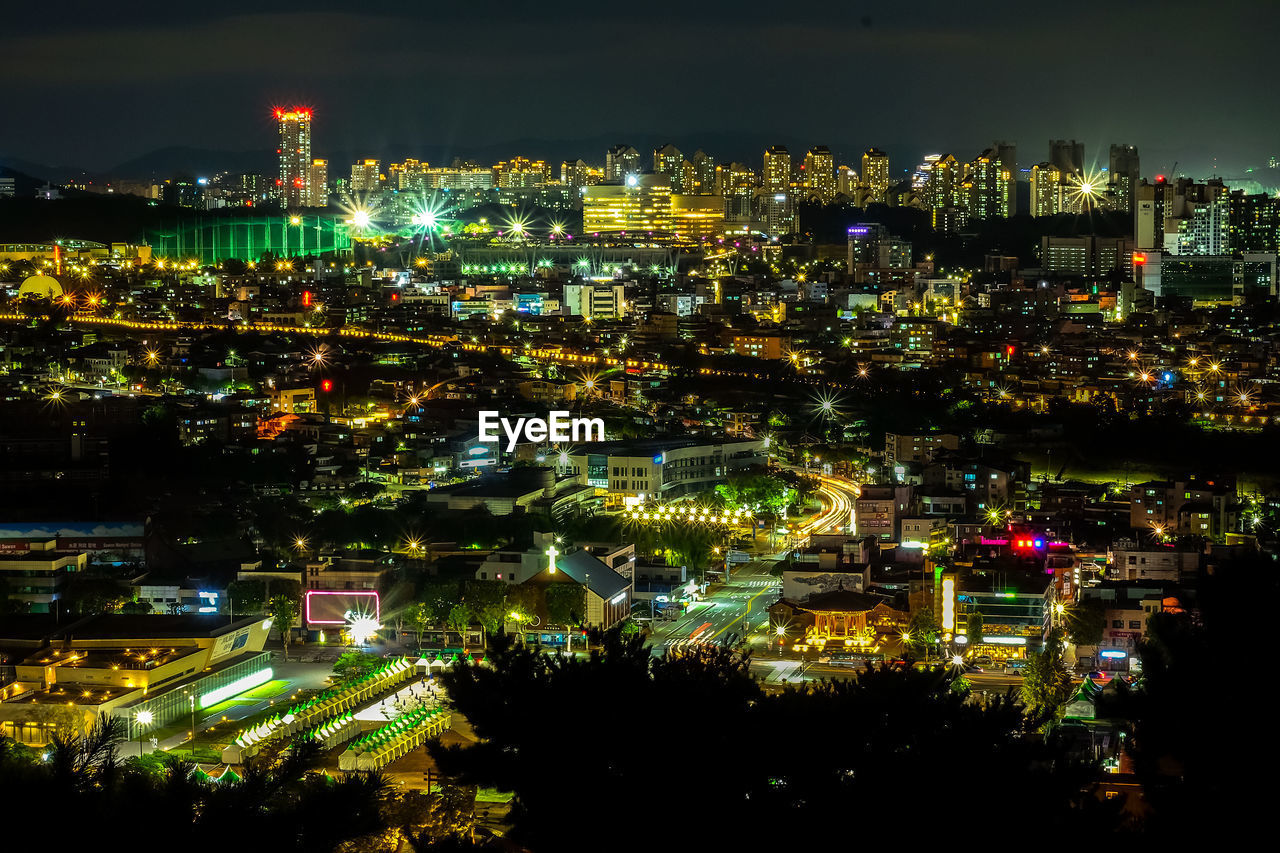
point(326, 386)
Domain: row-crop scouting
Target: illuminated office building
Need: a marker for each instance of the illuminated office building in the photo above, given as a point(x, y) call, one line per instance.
point(697, 218)
point(295, 155)
point(640, 203)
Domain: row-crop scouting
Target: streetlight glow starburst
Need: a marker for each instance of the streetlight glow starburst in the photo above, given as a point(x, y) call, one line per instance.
point(1085, 191)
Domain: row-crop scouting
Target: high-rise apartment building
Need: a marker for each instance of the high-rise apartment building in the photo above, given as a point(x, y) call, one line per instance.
point(575, 173)
point(875, 175)
point(317, 184)
point(667, 160)
point(1006, 154)
point(988, 185)
point(1205, 231)
point(1046, 190)
point(704, 173)
point(736, 182)
point(820, 174)
point(846, 181)
point(294, 150)
point(938, 182)
point(1254, 222)
point(365, 176)
point(408, 175)
point(1123, 176)
point(776, 177)
point(620, 161)
point(777, 206)
point(1067, 156)
point(522, 173)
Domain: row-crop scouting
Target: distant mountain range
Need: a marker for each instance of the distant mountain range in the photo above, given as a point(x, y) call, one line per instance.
point(24, 184)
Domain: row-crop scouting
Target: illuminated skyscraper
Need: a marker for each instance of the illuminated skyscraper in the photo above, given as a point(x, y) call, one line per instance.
point(295, 155)
point(820, 174)
point(317, 184)
point(875, 175)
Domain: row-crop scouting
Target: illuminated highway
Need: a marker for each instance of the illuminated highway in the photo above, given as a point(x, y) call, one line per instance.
point(740, 606)
point(837, 516)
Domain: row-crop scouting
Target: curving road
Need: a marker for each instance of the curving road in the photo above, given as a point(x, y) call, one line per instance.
point(837, 495)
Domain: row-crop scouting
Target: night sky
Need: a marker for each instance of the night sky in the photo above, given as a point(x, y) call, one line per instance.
point(93, 86)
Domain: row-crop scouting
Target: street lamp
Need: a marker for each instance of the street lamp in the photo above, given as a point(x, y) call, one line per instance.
point(142, 718)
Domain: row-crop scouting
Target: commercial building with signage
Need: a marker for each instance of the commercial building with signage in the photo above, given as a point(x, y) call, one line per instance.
point(65, 676)
point(660, 468)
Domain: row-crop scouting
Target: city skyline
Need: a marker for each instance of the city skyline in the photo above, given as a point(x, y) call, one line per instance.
point(513, 428)
point(528, 80)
